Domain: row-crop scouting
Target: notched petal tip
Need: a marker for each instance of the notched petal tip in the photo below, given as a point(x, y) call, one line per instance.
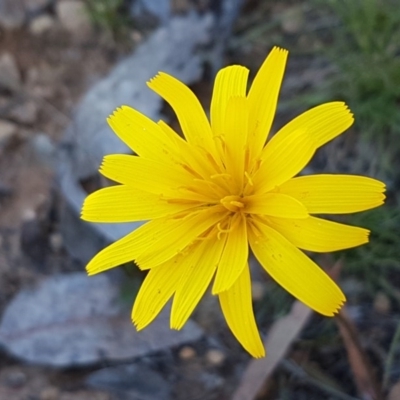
point(88, 212)
point(140, 322)
point(153, 79)
point(101, 166)
point(259, 355)
point(118, 112)
point(220, 287)
point(333, 310)
point(140, 266)
point(139, 327)
point(83, 213)
point(338, 308)
point(175, 326)
point(115, 113)
point(92, 267)
point(280, 49)
point(91, 271)
point(367, 235)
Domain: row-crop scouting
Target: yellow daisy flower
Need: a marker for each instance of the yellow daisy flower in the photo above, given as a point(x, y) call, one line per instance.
point(221, 188)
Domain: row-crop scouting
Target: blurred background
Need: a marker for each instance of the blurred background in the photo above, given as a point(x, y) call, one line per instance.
point(64, 66)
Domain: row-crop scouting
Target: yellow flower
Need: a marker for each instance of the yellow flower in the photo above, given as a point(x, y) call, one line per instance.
point(220, 189)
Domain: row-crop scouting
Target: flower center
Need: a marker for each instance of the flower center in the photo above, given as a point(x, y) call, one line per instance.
point(233, 203)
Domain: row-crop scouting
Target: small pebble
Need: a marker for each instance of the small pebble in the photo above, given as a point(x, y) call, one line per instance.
point(15, 379)
point(215, 357)
point(28, 214)
point(41, 24)
point(292, 20)
point(73, 17)
point(382, 303)
point(187, 353)
point(56, 241)
point(8, 131)
point(10, 75)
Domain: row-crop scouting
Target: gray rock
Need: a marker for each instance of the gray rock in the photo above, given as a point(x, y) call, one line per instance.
point(88, 138)
point(130, 382)
point(72, 320)
point(74, 17)
point(7, 132)
point(42, 24)
point(82, 240)
point(10, 77)
point(174, 48)
point(170, 49)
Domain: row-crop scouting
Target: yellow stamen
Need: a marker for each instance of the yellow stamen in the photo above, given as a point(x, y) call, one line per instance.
point(232, 203)
point(221, 231)
point(227, 176)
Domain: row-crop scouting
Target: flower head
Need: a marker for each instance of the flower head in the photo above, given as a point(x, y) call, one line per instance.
point(221, 189)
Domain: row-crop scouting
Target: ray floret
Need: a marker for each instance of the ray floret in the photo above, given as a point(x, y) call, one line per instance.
point(224, 189)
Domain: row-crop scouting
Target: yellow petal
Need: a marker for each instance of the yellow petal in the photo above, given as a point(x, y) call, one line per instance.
point(284, 157)
point(236, 304)
point(335, 194)
point(190, 156)
point(140, 133)
point(263, 98)
point(229, 82)
point(187, 107)
point(276, 205)
point(322, 123)
point(144, 174)
point(196, 279)
point(319, 235)
point(234, 257)
point(157, 288)
point(127, 248)
point(181, 233)
point(235, 128)
point(126, 204)
point(294, 271)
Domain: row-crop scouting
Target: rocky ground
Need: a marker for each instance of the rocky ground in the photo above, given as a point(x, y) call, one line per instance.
point(50, 55)
point(53, 58)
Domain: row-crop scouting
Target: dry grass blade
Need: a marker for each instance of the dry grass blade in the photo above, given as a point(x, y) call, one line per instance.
point(364, 375)
point(278, 342)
